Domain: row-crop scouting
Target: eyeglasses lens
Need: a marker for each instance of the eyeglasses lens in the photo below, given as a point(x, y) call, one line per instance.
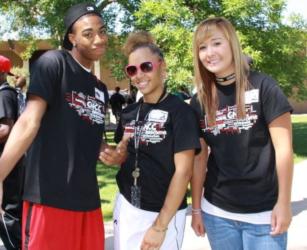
point(146, 67)
point(131, 70)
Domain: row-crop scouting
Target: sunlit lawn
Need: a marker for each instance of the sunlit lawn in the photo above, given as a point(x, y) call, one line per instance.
point(107, 184)
point(106, 175)
point(299, 123)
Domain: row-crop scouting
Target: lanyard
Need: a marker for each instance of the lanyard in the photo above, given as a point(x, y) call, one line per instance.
point(138, 127)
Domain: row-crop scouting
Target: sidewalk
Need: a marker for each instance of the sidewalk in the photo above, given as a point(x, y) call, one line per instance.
point(297, 234)
point(297, 238)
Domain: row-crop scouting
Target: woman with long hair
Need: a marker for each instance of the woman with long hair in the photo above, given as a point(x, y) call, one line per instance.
point(241, 184)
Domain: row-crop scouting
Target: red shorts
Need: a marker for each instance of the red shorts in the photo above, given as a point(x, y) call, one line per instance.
point(51, 228)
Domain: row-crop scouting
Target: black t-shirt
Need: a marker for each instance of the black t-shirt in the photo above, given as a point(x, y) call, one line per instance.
point(8, 105)
point(61, 165)
point(170, 127)
point(241, 173)
point(13, 183)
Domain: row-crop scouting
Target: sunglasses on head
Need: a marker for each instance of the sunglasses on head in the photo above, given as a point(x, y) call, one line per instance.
point(145, 67)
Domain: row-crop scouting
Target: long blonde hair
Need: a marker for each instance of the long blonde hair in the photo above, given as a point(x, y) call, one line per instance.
point(205, 80)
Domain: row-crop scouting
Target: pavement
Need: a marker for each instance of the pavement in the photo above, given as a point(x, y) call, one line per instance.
point(297, 234)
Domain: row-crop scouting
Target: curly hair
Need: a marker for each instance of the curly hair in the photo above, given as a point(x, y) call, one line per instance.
point(141, 39)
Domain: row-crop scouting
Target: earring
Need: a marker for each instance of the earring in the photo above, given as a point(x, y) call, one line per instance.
point(74, 45)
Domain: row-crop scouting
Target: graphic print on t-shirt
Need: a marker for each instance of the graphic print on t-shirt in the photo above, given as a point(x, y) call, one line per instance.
point(152, 128)
point(88, 107)
point(226, 118)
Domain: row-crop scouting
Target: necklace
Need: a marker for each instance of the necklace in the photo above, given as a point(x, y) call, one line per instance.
point(138, 127)
point(226, 78)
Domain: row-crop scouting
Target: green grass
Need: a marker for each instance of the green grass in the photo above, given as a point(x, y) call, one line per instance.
point(107, 184)
point(299, 123)
point(107, 188)
point(106, 175)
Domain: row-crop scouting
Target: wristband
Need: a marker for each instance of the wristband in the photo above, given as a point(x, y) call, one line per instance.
point(196, 211)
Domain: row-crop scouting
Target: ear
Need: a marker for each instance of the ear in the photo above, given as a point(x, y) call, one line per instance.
point(72, 39)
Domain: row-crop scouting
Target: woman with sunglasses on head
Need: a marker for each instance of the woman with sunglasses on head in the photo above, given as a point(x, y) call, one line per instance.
point(245, 120)
point(150, 209)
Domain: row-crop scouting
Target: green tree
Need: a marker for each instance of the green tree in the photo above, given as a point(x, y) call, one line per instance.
point(36, 18)
point(277, 49)
point(171, 23)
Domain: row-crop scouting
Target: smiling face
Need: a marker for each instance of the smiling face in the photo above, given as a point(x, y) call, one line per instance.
point(90, 39)
point(150, 83)
point(215, 54)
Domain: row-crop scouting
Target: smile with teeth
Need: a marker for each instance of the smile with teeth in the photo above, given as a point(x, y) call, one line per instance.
point(213, 62)
point(142, 85)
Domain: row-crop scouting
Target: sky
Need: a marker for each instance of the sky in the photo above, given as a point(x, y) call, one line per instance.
point(293, 6)
point(297, 6)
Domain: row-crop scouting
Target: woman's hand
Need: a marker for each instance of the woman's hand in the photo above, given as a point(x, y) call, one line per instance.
point(197, 224)
point(153, 238)
point(281, 218)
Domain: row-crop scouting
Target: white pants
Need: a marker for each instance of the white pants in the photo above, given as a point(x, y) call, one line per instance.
point(131, 224)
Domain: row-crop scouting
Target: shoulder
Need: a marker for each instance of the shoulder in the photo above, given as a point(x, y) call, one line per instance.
point(54, 54)
point(194, 101)
point(52, 58)
point(102, 85)
point(7, 90)
point(261, 80)
point(131, 107)
point(178, 106)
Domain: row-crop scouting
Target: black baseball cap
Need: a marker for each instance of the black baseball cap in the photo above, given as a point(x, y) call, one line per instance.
point(73, 14)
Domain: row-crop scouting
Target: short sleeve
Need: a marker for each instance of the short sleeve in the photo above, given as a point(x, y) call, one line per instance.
point(274, 101)
point(45, 74)
point(186, 130)
point(199, 114)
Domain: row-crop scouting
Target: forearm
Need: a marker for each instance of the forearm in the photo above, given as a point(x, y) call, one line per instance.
point(284, 168)
point(175, 195)
point(197, 183)
point(22, 135)
point(281, 134)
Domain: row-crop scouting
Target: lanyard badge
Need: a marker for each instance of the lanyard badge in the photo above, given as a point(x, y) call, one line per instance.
point(136, 173)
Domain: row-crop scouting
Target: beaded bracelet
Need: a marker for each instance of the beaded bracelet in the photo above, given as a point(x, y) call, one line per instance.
point(196, 211)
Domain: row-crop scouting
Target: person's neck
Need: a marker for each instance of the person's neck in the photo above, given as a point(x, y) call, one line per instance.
point(229, 82)
point(155, 97)
point(83, 62)
point(226, 78)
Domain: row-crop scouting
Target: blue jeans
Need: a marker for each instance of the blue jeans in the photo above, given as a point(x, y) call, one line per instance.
point(226, 234)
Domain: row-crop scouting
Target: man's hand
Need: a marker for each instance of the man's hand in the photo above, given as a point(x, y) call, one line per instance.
point(111, 155)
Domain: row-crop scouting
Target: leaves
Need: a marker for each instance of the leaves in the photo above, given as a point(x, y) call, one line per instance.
point(277, 49)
